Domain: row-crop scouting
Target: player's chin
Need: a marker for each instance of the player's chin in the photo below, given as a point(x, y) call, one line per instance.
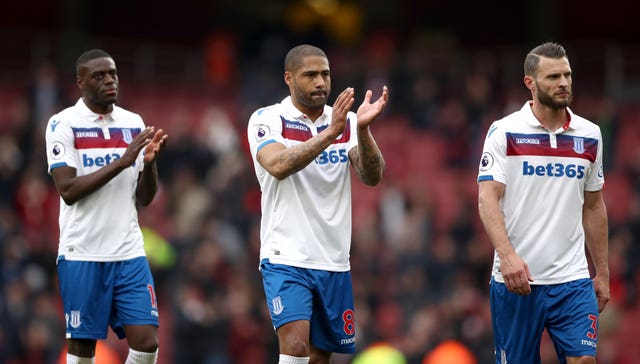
point(108, 100)
point(317, 104)
point(110, 96)
point(319, 99)
point(564, 100)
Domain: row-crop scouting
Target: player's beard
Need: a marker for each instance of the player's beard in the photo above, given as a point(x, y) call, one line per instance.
point(308, 101)
point(546, 99)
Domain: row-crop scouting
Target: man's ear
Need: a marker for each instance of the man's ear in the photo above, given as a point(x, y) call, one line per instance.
point(529, 83)
point(79, 81)
point(287, 78)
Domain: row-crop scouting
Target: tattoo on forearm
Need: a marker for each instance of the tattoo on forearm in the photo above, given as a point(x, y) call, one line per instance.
point(301, 155)
point(367, 160)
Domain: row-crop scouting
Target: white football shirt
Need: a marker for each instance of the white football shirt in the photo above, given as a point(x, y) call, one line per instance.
point(306, 217)
point(546, 174)
point(104, 225)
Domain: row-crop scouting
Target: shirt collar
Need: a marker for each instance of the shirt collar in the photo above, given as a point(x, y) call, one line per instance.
point(533, 121)
point(90, 115)
point(292, 110)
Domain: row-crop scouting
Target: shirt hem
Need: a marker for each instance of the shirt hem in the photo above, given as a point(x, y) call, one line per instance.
point(547, 281)
point(101, 258)
point(308, 265)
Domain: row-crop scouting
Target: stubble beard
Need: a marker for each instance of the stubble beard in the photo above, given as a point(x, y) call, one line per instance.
point(547, 100)
point(309, 102)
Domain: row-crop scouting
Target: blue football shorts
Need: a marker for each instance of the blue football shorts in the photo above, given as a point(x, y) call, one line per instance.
point(96, 295)
point(569, 312)
point(324, 298)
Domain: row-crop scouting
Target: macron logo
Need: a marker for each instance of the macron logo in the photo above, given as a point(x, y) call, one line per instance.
point(54, 123)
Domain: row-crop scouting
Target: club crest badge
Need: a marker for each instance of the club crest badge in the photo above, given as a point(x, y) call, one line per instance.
point(74, 319)
point(578, 145)
point(277, 305)
point(127, 136)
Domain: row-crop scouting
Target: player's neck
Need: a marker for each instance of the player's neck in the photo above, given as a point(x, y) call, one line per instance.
point(312, 114)
point(102, 109)
point(552, 119)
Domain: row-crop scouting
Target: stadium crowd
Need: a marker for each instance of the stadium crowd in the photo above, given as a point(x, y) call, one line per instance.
point(420, 259)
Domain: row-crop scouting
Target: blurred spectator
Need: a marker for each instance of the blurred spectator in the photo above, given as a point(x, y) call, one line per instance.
point(380, 353)
point(450, 352)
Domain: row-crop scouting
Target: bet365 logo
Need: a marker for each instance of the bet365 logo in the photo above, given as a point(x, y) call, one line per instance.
point(88, 161)
point(334, 156)
point(553, 170)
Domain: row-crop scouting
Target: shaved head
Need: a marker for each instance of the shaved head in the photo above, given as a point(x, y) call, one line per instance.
point(88, 56)
point(294, 58)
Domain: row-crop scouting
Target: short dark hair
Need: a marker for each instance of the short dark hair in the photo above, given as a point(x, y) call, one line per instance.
point(294, 57)
point(90, 55)
point(548, 50)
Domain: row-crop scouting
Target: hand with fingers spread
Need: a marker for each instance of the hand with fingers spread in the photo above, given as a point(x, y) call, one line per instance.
point(139, 142)
point(367, 112)
point(155, 146)
point(341, 107)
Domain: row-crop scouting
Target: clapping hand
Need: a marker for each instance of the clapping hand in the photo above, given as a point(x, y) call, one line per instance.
point(368, 111)
point(157, 144)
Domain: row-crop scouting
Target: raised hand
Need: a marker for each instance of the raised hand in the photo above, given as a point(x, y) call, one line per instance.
point(367, 112)
point(133, 150)
point(341, 107)
point(155, 146)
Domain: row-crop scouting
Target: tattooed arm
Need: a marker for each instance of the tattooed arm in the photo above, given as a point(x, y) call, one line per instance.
point(367, 158)
point(281, 162)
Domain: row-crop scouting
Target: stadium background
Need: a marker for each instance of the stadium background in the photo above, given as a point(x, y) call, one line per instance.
point(198, 69)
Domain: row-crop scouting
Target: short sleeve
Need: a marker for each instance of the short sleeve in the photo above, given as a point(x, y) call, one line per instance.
point(265, 127)
point(494, 156)
point(595, 177)
point(60, 144)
